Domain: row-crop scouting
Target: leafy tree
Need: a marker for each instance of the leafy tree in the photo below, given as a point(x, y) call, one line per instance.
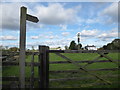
point(105, 47)
point(73, 46)
point(80, 46)
point(13, 49)
point(66, 48)
point(6, 47)
point(114, 45)
point(33, 48)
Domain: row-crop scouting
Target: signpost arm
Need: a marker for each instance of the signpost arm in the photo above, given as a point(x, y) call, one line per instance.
point(22, 46)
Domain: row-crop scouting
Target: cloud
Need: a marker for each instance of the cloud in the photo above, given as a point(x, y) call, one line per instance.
point(63, 27)
point(110, 13)
point(45, 37)
point(55, 14)
point(51, 37)
point(56, 42)
point(110, 34)
point(65, 33)
point(89, 33)
point(34, 37)
point(10, 15)
point(91, 21)
point(8, 38)
point(52, 43)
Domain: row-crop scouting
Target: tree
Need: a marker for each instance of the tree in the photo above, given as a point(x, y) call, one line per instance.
point(33, 48)
point(105, 47)
point(80, 46)
point(114, 45)
point(2, 47)
point(14, 49)
point(110, 46)
point(66, 47)
point(73, 46)
point(6, 47)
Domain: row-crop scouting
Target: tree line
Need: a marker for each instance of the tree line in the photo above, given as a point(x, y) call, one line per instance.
point(114, 45)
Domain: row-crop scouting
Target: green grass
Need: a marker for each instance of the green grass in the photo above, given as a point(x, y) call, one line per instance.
point(14, 70)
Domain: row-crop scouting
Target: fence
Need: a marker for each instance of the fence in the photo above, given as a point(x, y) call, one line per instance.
point(43, 67)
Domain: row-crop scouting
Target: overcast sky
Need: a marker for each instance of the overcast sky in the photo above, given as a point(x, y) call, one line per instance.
point(59, 22)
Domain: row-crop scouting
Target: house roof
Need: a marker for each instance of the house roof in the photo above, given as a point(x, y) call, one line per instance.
point(90, 46)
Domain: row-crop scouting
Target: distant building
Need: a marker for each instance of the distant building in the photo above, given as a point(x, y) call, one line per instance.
point(56, 48)
point(90, 47)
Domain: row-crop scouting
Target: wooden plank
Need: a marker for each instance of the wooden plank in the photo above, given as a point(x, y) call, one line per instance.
point(82, 78)
point(76, 71)
point(22, 46)
point(39, 60)
point(8, 86)
point(4, 64)
point(14, 78)
point(84, 61)
point(47, 67)
point(98, 84)
point(44, 67)
point(32, 72)
point(83, 51)
point(30, 53)
point(56, 51)
point(31, 18)
point(16, 64)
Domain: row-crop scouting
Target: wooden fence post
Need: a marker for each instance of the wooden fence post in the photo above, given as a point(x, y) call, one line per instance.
point(23, 17)
point(44, 67)
point(22, 46)
point(32, 72)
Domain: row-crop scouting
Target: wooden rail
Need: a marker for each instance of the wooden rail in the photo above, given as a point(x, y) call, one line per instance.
point(76, 71)
point(83, 51)
point(54, 62)
point(12, 78)
point(60, 79)
point(82, 78)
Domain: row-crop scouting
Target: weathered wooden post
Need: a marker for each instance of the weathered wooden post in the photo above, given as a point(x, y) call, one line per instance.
point(32, 72)
point(22, 46)
point(44, 67)
point(23, 17)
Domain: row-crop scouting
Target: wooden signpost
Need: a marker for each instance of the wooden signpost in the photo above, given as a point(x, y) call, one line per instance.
point(23, 17)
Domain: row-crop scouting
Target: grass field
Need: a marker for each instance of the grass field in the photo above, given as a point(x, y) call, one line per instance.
point(87, 83)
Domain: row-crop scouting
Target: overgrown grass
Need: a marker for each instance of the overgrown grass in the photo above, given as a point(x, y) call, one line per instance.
point(14, 70)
